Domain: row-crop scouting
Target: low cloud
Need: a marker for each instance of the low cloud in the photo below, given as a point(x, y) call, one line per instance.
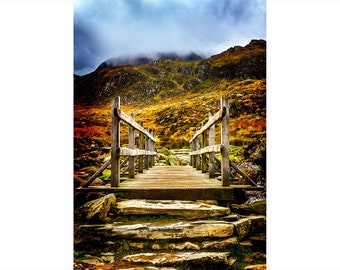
point(104, 28)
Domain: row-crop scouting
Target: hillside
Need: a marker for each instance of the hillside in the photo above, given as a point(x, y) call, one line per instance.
point(147, 59)
point(172, 97)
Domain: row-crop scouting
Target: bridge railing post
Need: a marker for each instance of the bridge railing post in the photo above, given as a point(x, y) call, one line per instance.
point(198, 161)
point(141, 146)
point(131, 146)
point(225, 169)
point(191, 156)
point(203, 156)
point(115, 143)
point(211, 155)
point(152, 148)
point(147, 149)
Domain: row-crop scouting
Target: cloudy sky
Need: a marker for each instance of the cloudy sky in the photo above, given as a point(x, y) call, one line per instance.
point(110, 28)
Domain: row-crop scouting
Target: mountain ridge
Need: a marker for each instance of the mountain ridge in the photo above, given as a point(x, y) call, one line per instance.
point(235, 63)
point(173, 98)
point(143, 59)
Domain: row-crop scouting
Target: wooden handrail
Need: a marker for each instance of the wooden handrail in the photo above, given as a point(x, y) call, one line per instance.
point(200, 148)
point(135, 152)
point(209, 149)
point(146, 144)
point(130, 121)
point(212, 121)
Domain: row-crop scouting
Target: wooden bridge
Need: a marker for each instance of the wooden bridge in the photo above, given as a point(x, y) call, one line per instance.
point(208, 178)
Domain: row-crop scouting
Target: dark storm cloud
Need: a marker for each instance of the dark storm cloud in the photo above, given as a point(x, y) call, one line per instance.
point(112, 28)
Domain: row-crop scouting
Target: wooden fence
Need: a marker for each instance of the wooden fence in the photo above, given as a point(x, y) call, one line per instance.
point(207, 144)
point(145, 150)
point(201, 147)
point(146, 144)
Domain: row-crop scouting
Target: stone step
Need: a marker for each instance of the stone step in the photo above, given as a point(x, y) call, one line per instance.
point(143, 268)
point(192, 245)
point(186, 209)
point(178, 258)
point(158, 230)
point(184, 235)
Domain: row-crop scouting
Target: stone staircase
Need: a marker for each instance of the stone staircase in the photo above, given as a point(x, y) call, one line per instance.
point(158, 234)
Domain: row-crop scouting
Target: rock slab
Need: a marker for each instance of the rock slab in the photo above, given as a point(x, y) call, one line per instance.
point(186, 209)
point(160, 230)
point(179, 258)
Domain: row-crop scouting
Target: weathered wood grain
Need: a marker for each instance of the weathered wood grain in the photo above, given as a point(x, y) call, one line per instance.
point(217, 117)
point(169, 183)
point(211, 155)
point(131, 146)
point(135, 152)
point(127, 119)
point(115, 143)
point(225, 170)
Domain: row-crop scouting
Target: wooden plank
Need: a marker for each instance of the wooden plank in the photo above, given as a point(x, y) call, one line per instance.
point(153, 148)
point(221, 194)
point(211, 155)
point(127, 119)
point(115, 143)
point(97, 173)
point(203, 157)
point(124, 162)
point(178, 194)
point(135, 152)
point(246, 177)
point(197, 143)
point(209, 149)
point(146, 157)
point(141, 147)
point(217, 117)
point(169, 182)
point(225, 170)
point(193, 158)
point(131, 146)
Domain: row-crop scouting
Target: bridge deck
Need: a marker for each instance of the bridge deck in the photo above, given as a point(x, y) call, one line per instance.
point(169, 183)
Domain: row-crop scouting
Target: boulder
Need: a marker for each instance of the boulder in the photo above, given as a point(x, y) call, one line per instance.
point(242, 227)
point(242, 209)
point(97, 210)
point(259, 207)
point(258, 224)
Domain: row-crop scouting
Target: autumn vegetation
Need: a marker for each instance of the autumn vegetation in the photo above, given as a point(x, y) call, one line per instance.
point(173, 98)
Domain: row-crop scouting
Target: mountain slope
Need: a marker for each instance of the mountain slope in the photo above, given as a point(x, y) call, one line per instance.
point(147, 59)
point(173, 98)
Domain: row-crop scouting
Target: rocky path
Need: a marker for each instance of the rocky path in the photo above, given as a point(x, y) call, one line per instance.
point(144, 234)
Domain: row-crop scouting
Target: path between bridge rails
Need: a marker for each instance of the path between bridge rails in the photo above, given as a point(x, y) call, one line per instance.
point(169, 183)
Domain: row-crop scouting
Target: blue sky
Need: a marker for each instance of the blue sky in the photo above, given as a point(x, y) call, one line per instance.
point(110, 28)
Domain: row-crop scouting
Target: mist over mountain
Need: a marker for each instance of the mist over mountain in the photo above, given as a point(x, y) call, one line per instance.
point(110, 29)
point(149, 78)
point(143, 59)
